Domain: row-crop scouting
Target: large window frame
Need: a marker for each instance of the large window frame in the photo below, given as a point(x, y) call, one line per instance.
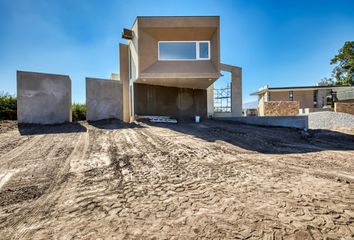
point(198, 58)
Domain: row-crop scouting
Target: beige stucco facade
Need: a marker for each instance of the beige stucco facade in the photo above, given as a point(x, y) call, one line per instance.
point(305, 98)
point(148, 69)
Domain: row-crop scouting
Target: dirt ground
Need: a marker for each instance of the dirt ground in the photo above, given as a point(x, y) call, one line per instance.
point(214, 180)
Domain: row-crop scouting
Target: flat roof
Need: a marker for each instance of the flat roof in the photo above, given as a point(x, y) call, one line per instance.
point(137, 17)
point(177, 16)
point(295, 88)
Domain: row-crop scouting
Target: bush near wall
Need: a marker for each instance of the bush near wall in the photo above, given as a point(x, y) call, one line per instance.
point(8, 107)
point(281, 108)
point(78, 112)
point(344, 107)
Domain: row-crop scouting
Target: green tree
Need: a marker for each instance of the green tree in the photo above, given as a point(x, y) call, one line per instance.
point(326, 82)
point(344, 71)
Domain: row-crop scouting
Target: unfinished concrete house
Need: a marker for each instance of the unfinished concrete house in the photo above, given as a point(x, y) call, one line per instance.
point(169, 65)
point(167, 68)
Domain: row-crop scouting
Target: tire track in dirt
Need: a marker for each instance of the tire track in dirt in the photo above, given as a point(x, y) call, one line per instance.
point(212, 188)
point(56, 187)
point(10, 141)
point(20, 150)
point(92, 186)
point(265, 168)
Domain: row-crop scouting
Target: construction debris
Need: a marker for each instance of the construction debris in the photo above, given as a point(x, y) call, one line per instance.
point(158, 119)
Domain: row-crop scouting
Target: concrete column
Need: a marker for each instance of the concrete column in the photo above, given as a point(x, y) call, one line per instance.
point(210, 100)
point(236, 88)
point(124, 78)
point(236, 92)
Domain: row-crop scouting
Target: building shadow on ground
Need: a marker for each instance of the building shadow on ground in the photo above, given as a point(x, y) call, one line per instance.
point(113, 124)
point(36, 129)
point(268, 140)
point(74, 127)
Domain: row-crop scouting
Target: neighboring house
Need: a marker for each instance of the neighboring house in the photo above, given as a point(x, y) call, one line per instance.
point(310, 98)
point(169, 64)
point(250, 109)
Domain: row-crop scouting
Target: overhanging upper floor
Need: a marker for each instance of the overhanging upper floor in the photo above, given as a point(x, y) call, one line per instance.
point(175, 51)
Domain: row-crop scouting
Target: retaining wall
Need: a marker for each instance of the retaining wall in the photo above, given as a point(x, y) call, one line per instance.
point(43, 98)
point(344, 107)
point(104, 99)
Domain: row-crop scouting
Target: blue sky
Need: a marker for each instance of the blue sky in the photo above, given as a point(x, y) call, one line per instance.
point(279, 43)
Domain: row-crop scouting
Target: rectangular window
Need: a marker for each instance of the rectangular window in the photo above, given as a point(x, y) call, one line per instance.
point(204, 50)
point(183, 50)
point(315, 94)
point(291, 95)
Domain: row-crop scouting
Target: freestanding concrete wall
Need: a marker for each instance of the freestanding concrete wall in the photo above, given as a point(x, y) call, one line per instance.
point(43, 98)
point(104, 99)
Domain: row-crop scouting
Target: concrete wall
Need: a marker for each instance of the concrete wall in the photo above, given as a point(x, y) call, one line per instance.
point(104, 99)
point(300, 122)
point(281, 108)
point(43, 98)
point(344, 107)
point(180, 103)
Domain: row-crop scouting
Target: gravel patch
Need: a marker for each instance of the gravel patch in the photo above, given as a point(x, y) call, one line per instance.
point(329, 120)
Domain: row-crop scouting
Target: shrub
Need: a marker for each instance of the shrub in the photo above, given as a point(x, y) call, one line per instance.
point(8, 106)
point(78, 111)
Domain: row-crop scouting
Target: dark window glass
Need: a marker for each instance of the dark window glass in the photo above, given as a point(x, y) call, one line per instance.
point(291, 95)
point(203, 50)
point(315, 94)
